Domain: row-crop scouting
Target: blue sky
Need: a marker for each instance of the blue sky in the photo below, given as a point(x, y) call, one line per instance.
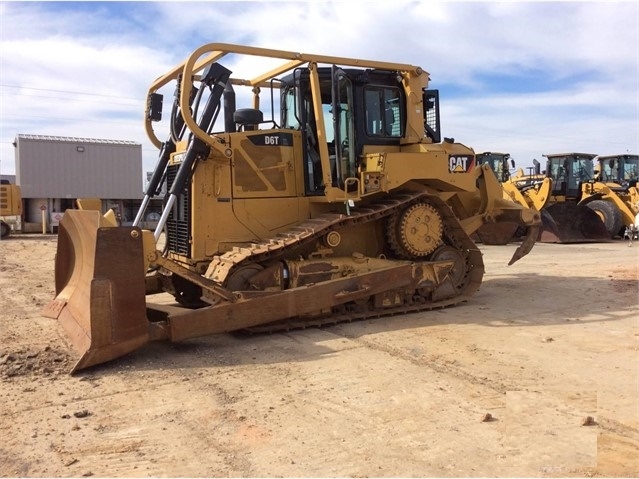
point(528, 78)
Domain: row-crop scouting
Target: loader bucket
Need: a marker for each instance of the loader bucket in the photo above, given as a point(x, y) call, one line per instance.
point(497, 233)
point(510, 225)
point(572, 223)
point(100, 287)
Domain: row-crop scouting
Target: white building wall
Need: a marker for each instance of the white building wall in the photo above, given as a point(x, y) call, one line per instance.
point(67, 167)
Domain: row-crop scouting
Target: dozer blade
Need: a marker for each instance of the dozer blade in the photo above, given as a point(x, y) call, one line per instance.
point(572, 223)
point(100, 287)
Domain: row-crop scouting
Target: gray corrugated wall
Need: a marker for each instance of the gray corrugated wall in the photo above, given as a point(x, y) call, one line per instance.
point(55, 169)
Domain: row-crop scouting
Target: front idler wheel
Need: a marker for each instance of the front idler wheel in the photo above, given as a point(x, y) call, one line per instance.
point(187, 293)
point(449, 253)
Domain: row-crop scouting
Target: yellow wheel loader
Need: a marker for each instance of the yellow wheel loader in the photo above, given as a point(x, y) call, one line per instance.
point(530, 190)
point(500, 163)
point(10, 206)
point(331, 197)
point(566, 216)
point(613, 193)
point(574, 208)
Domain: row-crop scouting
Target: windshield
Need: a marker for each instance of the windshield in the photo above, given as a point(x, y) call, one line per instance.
point(630, 169)
point(620, 169)
point(289, 110)
point(383, 114)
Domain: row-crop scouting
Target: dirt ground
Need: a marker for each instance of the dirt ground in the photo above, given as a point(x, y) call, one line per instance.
point(536, 376)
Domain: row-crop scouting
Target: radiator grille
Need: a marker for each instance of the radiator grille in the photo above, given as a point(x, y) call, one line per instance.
point(178, 224)
point(4, 199)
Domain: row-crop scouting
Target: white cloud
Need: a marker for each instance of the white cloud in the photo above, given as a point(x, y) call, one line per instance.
point(523, 77)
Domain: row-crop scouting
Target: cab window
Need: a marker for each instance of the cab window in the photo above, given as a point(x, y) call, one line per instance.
point(383, 112)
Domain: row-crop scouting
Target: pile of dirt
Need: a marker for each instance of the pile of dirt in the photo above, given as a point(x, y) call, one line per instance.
point(47, 361)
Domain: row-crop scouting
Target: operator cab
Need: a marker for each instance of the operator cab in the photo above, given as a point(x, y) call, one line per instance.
point(619, 169)
point(358, 108)
point(568, 172)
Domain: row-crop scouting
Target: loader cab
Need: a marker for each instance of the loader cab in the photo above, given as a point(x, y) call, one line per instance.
point(357, 108)
point(500, 163)
point(619, 169)
point(568, 172)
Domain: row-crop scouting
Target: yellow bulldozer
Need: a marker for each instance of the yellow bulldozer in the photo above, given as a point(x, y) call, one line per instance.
point(331, 197)
point(10, 206)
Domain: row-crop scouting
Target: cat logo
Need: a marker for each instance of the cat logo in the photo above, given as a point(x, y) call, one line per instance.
point(460, 163)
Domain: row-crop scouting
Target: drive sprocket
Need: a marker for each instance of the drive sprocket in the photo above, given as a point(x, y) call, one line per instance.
point(416, 231)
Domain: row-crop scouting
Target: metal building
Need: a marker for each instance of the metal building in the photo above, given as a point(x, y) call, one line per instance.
point(54, 171)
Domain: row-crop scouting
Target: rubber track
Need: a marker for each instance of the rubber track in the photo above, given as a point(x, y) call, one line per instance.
point(313, 229)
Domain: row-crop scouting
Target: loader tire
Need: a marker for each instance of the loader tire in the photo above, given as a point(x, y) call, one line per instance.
point(5, 229)
point(609, 214)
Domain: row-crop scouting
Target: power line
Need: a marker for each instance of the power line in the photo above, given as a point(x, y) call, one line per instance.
point(21, 87)
point(70, 119)
point(66, 99)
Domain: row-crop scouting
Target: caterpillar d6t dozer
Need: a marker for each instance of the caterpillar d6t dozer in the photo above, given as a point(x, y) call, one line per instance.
point(342, 202)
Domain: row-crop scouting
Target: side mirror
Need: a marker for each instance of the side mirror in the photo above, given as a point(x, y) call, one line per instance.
point(155, 106)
